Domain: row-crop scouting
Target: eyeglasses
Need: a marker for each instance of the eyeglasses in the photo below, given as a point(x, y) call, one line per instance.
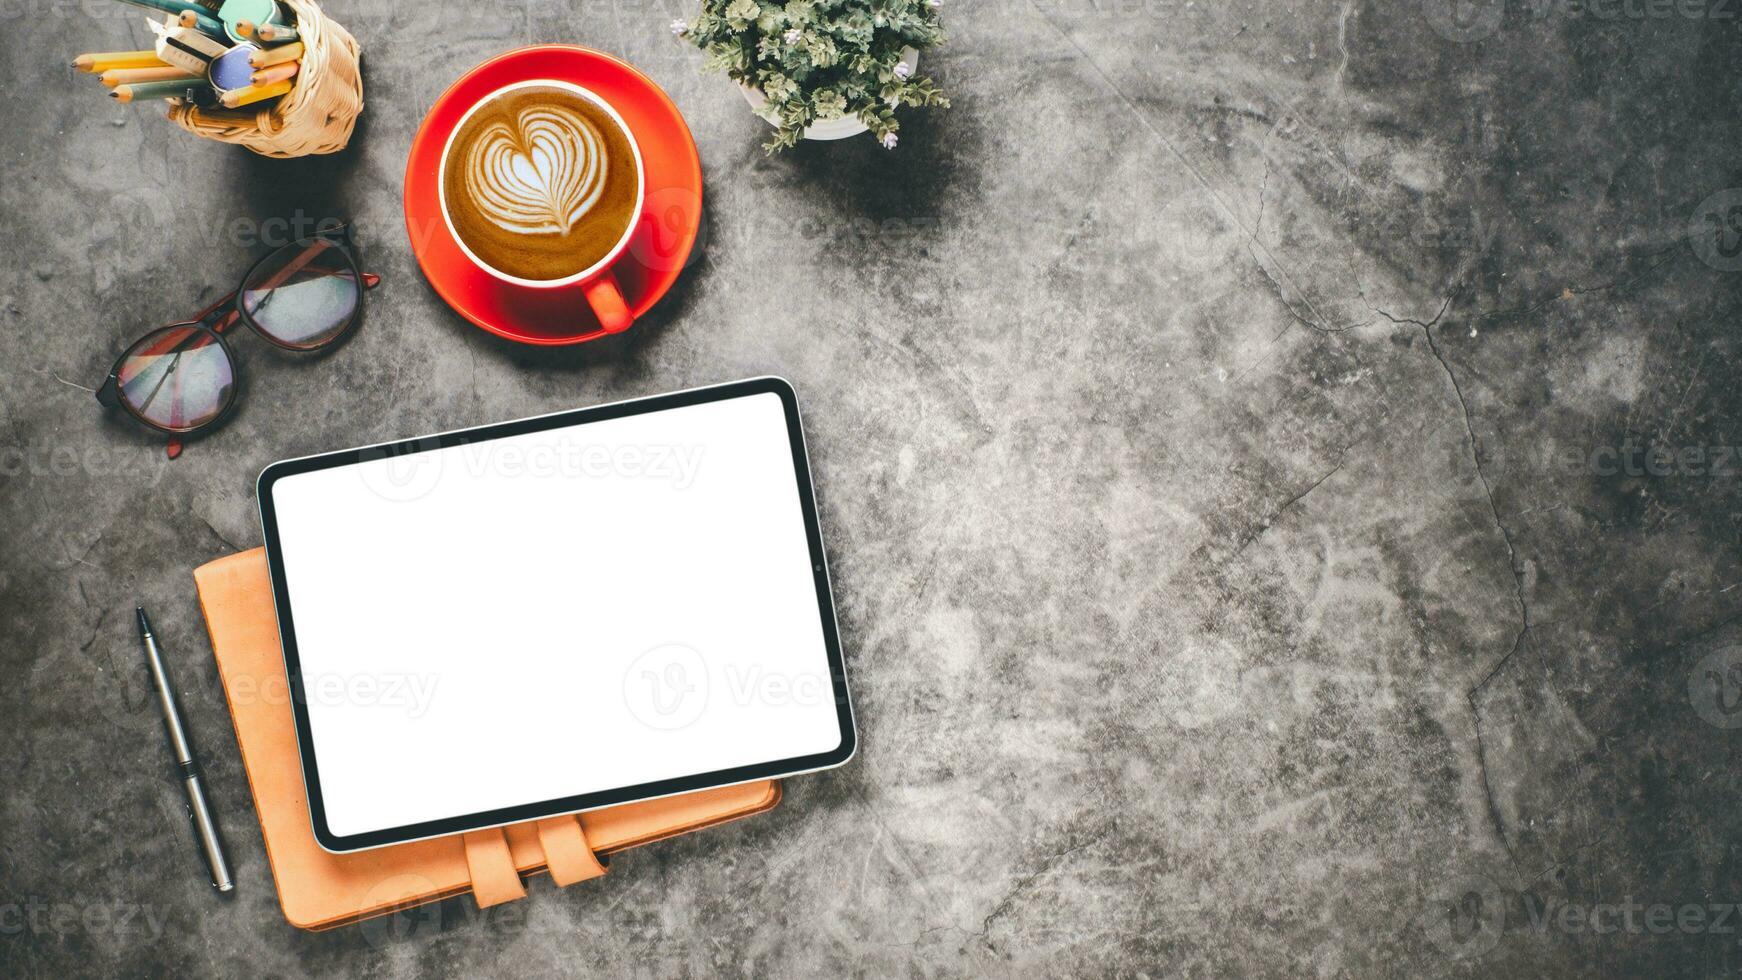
point(182, 378)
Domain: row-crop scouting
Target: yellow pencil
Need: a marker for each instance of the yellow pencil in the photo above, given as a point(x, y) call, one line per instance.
point(103, 61)
point(277, 56)
point(127, 76)
point(253, 93)
point(245, 28)
point(277, 73)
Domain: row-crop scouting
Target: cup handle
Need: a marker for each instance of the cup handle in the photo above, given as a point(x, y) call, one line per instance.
point(606, 299)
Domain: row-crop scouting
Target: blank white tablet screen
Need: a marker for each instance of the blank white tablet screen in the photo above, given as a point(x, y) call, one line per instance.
point(557, 613)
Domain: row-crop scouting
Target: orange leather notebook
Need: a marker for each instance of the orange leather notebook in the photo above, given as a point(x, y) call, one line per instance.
point(318, 889)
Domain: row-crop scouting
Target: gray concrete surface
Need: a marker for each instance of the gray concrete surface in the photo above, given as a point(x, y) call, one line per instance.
point(1232, 424)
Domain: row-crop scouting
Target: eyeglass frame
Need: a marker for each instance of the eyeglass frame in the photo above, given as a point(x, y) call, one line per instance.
point(223, 314)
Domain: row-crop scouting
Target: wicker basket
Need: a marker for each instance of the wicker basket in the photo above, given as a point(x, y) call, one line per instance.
point(315, 116)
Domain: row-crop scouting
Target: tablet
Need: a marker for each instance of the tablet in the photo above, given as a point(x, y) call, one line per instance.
point(546, 616)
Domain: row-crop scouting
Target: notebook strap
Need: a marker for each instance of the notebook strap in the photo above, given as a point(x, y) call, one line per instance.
point(491, 865)
point(566, 851)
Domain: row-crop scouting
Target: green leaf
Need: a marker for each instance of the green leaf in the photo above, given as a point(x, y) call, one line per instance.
point(829, 104)
point(842, 65)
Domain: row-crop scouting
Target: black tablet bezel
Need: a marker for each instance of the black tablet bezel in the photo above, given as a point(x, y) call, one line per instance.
point(586, 801)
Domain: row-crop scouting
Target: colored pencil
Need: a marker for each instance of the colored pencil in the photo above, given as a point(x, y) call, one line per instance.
point(153, 90)
point(253, 93)
point(277, 73)
point(129, 76)
point(204, 21)
point(278, 55)
point(103, 61)
point(204, 25)
point(276, 33)
point(245, 28)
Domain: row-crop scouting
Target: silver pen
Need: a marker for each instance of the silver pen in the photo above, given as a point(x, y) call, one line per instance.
point(198, 811)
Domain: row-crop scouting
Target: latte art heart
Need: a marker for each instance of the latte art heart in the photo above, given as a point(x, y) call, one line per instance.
point(539, 176)
point(541, 182)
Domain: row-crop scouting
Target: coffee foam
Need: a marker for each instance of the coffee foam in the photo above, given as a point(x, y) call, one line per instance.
point(547, 189)
point(540, 182)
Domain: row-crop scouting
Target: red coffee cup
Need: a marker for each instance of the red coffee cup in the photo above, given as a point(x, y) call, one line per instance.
point(597, 283)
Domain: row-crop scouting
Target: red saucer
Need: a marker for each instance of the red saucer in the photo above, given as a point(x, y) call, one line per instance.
point(669, 219)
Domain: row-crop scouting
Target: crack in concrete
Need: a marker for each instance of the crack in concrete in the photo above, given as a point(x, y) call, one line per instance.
point(1342, 47)
point(1276, 515)
point(1004, 904)
point(1470, 695)
point(1493, 805)
point(79, 559)
point(1282, 297)
point(233, 546)
point(96, 629)
point(1706, 631)
point(1203, 182)
point(1275, 285)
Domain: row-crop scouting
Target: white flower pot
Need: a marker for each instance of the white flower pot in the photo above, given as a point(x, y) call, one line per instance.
point(823, 129)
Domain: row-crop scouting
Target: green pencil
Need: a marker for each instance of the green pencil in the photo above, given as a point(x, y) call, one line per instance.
point(203, 20)
point(173, 89)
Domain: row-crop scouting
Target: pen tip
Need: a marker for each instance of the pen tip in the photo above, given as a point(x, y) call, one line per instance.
point(144, 624)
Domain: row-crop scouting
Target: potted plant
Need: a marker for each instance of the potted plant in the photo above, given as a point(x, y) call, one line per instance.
point(822, 69)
